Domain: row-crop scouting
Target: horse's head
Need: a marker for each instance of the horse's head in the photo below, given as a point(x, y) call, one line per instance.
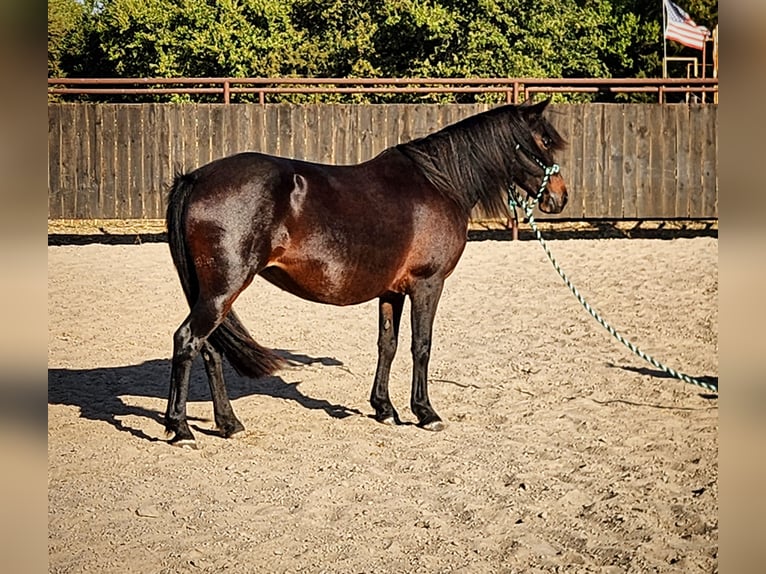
point(534, 155)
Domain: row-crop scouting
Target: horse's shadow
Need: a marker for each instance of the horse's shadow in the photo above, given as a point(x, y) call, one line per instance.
point(98, 392)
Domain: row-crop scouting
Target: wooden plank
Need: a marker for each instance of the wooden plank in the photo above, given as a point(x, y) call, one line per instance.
point(642, 134)
point(249, 132)
point(442, 116)
point(378, 129)
point(178, 137)
point(235, 116)
point(365, 133)
point(562, 122)
point(70, 148)
point(238, 127)
point(79, 161)
point(87, 196)
point(421, 122)
point(688, 177)
point(696, 141)
point(312, 118)
point(393, 119)
point(137, 201)
point(285, 131)
point(163, 177)
point(224, 129)
point(593, 161)
point(55, 149)
point(122, 197)
point(108, 186)
point(580, 158)
point(175, 128)
point(326, 119)
point(614, 138)
point(352, 134)
point(339, 136)
point(191, 154)
point(203, 135)
point(148, 152)
point(219, 131)
point(629, 162)
point(270, 143)
point(574, 174)
point(699, 143)
point(708, 132)
point(97, 160)
point(446, 115)
point(404, 125)
point(653, 206)
point(298, 120)
point(256, 136)
point(668, 162)
point(432, 122)
point(151, 186)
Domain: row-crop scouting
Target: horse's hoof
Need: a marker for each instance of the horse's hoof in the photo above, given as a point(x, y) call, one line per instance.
point(187, 443)
point(390, 421)
point(229, 431)
point(435, 426)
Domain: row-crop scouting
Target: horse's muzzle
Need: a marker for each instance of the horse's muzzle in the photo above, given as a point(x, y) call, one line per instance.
point(554, 197)
point(550, 204)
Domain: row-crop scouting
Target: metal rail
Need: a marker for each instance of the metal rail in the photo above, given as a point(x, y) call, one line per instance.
point(515, 89)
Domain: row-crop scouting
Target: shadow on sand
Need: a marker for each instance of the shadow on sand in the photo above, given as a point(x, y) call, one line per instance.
point(658, 374)
point(98, 393)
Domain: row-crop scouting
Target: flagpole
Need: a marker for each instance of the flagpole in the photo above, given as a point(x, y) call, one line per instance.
point(664, 43)
point(704, 63)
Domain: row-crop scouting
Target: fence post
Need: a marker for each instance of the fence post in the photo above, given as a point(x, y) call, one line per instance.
point(226, 88)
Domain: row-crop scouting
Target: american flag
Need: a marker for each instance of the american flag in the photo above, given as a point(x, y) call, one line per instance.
point(682, 29)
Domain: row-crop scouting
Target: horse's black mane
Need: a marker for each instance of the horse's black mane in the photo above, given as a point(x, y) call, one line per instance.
point(473, 161)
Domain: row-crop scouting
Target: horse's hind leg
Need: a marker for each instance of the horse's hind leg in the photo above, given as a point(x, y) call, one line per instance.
point(205, 316)
point(187, 341)
point(389, 316)
point(225, 419)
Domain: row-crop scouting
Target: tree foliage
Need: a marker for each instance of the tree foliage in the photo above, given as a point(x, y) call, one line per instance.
point(65, 35)
point(360, 38)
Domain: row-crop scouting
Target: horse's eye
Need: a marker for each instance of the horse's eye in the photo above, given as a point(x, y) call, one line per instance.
point(546, 142)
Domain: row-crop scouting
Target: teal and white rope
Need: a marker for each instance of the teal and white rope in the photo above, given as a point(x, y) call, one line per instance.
point(528, 207)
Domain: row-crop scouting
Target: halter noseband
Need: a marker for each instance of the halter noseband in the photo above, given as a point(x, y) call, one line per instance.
point(528, 204)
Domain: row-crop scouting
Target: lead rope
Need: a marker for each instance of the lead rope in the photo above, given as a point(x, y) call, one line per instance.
point(527, 206)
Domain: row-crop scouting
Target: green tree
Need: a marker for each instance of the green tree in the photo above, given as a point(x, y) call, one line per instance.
point(361, 38)
point(195, 38)
point(65, 34)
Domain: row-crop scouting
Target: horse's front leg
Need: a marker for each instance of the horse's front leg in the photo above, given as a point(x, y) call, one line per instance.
point(425, 299)
point(389, 317)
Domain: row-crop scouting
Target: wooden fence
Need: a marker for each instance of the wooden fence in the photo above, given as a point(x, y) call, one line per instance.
point(624, 161)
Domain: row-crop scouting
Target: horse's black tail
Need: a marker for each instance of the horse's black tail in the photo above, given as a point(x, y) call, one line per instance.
point(231, 337)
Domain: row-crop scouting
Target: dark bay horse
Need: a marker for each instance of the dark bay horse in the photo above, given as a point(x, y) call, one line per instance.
point(391, 227)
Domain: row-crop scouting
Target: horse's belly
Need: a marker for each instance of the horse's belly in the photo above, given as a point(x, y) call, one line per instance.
point(322, 283)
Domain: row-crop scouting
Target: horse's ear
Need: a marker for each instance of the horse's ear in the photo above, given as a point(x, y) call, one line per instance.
point(535, 109)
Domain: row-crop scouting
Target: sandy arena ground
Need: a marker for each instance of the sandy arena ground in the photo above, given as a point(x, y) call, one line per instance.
point(563, 451)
